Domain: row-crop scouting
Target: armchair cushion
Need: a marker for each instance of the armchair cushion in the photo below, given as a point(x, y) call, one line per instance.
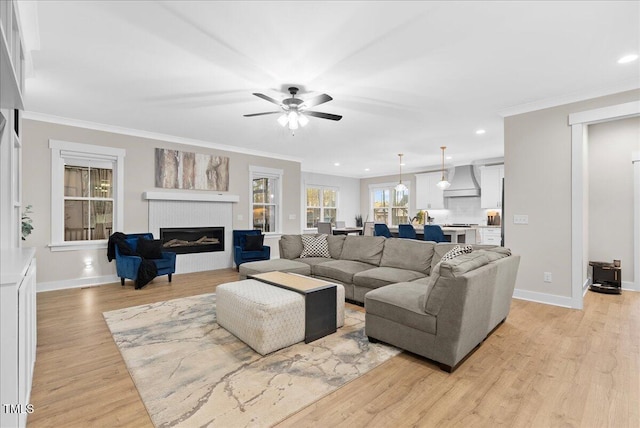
point(253, 242)
point(150, 248)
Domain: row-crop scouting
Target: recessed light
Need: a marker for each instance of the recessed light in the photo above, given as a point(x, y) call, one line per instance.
point(449, 157)
point(480, 131)
point(367, 169)
point(402, 164)
point(336, 164)
point(628, 58)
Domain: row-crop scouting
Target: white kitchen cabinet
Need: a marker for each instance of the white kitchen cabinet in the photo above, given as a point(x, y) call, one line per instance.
point(18, 332)
point(428, 195)
point(490, 235)
point(491, 184)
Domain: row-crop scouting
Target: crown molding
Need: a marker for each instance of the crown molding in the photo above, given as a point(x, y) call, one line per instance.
point(59, 120)
point(623, 86)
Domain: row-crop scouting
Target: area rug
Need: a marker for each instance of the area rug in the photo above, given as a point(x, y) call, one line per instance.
point(191, 372)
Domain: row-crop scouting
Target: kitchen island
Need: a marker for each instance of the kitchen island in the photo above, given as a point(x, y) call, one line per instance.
point(457, 234)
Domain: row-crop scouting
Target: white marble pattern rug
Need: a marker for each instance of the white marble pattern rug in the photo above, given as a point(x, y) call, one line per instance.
point(191, 372)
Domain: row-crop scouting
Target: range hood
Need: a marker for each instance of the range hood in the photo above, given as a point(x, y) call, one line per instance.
point(463, 183)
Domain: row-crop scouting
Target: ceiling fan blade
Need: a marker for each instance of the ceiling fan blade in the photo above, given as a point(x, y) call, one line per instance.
point(323, 115)
point(320, 99)
point(267, 98)
point(261, 114)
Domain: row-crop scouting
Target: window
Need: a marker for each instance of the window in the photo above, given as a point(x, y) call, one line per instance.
point(86, 194)
point(389, 206)
point(266, 190)
point(322, 205)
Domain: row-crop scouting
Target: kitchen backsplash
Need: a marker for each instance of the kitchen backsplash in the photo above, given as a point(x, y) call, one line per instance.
point(461, 210)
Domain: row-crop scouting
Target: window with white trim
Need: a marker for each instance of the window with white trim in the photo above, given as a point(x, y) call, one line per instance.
point(322, 205)
point(265, 197)
point(86, 194)
point(388, 205)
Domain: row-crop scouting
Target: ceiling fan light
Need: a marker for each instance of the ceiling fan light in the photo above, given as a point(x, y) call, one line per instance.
point(293, 120)
point(303, 120)
point(283, 120)
point(444, 184)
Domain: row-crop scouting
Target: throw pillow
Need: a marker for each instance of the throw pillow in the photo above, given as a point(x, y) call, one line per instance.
point(455, 252)
point(150, 248)
point(315, 246)
point(253, 242)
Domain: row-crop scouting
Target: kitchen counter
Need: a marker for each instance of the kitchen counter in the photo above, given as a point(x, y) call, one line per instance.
point(461, 235)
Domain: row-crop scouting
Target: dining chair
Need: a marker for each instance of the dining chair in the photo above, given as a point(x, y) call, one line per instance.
point(406, 231)
point(324, 228)
point(433, 232)
point(381, 229)
point(367, 229)
point(341, 224)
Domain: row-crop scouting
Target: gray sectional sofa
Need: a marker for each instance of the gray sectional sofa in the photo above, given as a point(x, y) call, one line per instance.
point(441, 311)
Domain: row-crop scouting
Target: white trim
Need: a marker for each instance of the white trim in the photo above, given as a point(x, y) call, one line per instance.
point(76, 283)
point(78, 245)
point(61, 150)
point(548, 299)
point(30, 115)
point(626, 85)
point(186, 196)
point(636, 215)
point(630, 286)
point(265, 172)
point(579, 138)
point(619, 111)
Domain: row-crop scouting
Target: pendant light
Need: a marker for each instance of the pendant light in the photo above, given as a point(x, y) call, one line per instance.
point(443, 184)
point(400, 187)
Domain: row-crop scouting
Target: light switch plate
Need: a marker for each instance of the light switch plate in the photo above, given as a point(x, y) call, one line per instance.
point(292, 216)
point(520, 219)
point(240, 217)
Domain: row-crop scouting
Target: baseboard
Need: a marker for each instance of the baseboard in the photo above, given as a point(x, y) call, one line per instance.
point(631, 286)
point(76, 283)
point(548, 299)
point(585, 286)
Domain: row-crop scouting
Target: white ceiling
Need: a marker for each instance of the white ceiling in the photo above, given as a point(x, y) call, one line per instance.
point(407, 76)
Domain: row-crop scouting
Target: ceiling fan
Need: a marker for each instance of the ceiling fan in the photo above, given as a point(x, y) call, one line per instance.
point(293, 111)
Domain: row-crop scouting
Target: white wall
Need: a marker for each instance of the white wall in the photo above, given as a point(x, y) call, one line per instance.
point(62, 269)
point(538, 184)
point(611, 192)
point(348, 197)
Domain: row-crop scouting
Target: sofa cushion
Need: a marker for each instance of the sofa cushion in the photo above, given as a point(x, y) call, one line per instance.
point(440, 249)
point(341, 270)
point(381, 276)
point(437, 288)
point(290, 246)
point(282, 265)
point(408, 254)
point(313, 261)
point(336, 242)
point(314, 246)
point(400, 303)
point(365, 249)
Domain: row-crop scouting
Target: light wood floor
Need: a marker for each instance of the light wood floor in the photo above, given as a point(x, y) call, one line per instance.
point(544, 367)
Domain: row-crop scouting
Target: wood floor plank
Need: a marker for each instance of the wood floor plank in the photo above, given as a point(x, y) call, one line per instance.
point(545, 366)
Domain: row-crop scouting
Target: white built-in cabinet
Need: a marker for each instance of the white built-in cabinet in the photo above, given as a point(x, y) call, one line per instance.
point(491, 184)
point(18, 332)
point(490, 235)
point(428, 195)
point(18, 265)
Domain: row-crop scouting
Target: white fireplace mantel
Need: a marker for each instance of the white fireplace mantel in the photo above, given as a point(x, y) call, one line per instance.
point(188, 196)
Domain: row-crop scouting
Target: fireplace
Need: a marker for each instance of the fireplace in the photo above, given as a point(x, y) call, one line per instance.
point(187, 240)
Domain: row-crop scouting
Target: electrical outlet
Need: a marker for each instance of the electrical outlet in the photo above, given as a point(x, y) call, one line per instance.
point(520, 219)
point(240, 217)
point(547, 277)
point(292, 216)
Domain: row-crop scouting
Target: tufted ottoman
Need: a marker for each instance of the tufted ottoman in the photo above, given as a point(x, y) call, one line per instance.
point(265, 317)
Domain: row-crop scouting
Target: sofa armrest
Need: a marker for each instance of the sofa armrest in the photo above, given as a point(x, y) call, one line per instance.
point(127, 266)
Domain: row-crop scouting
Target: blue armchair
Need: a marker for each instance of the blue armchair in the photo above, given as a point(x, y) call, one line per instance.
point(381, 229)
point(243, 255)
point(128, 266)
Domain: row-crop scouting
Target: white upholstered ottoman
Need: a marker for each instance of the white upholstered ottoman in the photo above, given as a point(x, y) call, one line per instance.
point(263, 316)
